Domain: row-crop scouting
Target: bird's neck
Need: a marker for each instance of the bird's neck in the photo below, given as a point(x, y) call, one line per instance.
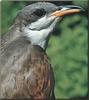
point(37, 37)
point(11, 35)
point(43, 44)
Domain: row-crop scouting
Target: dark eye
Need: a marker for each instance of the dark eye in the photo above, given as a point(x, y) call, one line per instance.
point(59, 8)
point(40, 12)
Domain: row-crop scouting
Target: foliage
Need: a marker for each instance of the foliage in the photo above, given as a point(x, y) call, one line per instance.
point(67, 51)
point(69, 57)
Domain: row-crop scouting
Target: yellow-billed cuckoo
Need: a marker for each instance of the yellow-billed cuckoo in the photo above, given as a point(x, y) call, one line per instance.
point(25, 70)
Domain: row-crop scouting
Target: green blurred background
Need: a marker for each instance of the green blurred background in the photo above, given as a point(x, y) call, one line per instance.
point(67, 49)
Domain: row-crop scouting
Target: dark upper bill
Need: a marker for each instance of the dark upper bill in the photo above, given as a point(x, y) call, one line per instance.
point(69, 9)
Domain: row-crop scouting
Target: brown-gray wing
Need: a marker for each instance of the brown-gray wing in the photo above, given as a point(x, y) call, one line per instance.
point(25, 72)
point(37, 81)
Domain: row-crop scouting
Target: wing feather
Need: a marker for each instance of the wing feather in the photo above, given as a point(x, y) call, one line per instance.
point(29, 66)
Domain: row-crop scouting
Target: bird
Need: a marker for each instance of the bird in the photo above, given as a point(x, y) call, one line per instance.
point(25, 68)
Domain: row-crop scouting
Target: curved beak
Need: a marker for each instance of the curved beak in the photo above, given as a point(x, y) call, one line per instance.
point(69, 9)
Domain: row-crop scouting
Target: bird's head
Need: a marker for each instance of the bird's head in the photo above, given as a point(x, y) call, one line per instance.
point(39, 19)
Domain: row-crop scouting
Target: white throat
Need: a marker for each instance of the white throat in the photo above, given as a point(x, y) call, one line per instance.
point(39, 37)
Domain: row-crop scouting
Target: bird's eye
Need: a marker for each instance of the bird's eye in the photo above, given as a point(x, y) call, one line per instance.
point(40, 12)
point(59, 8)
